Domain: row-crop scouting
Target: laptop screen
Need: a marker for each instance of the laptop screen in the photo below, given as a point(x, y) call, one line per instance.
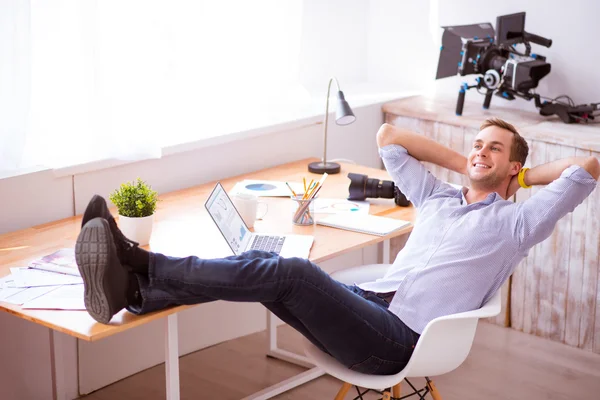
point(228, 220)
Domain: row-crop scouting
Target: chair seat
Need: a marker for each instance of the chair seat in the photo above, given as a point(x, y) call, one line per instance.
point(444, 343)
point(338, 370)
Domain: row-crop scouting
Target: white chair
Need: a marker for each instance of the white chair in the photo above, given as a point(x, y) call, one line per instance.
point(442, 347)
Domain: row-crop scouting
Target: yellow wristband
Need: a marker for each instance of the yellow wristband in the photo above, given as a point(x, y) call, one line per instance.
point(521, 178)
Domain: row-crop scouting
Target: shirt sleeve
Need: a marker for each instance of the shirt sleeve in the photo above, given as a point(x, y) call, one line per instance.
point(537, 216)
point(409, 174)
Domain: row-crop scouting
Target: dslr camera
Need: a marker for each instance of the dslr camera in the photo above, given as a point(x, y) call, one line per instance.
point(361, 187)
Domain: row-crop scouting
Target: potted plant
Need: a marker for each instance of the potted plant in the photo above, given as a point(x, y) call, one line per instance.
point(136, 203)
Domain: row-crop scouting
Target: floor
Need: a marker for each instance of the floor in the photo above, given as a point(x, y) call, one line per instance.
point(503, 364)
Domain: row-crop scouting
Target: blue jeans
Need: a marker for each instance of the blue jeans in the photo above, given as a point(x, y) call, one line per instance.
point(352, 325)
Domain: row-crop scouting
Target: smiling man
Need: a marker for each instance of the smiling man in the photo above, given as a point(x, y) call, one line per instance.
point(467, 242)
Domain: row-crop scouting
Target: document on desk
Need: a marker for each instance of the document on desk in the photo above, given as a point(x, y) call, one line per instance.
point(28, 277)
point(262, 188)
point(18, 296)
point(6, 281)
point(67, 297)
point(61, 261)
point(340, 206)
point(7, 292)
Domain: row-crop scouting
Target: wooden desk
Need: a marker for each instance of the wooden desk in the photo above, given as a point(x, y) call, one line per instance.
point(176, 232)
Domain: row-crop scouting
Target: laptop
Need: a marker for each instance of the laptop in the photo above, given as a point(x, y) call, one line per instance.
point(241, 239)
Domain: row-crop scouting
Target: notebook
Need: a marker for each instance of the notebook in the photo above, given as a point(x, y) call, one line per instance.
point(364, 223)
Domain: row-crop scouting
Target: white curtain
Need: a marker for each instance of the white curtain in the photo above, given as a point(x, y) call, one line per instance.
point(84, 80)
point(15, 82)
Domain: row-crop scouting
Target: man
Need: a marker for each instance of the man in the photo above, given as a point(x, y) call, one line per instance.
point(464, 245)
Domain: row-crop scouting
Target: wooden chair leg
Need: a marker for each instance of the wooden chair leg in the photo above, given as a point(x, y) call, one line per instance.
point(396, 391)
point(386, 396)
point(433, 390)
point(342, 393)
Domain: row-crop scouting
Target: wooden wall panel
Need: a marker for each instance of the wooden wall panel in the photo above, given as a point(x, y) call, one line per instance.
point(543, 262)
point(577, 267)
point(468, 139)
point(590, 315)
point(531, 303)
point(457, 138)
point(520, 278)
point(443, 136)
point(561, 256)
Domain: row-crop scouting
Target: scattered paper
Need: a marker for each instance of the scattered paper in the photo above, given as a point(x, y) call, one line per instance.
point(25, 295)
point(7, 292)
point(28, 277)
point(51, 282)
point(64, 257)
point(61, 261)
point(262, 188)
point(7, 281)
point(68, 297)
point(340, 206)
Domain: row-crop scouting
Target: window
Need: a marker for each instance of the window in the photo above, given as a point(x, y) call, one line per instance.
point(89, 80)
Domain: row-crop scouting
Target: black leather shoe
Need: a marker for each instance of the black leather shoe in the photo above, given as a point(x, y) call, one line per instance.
point(96, 208)
point(128, 251)
point(105, 280)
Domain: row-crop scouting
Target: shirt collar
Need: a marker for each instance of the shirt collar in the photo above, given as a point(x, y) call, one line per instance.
point(491, 198)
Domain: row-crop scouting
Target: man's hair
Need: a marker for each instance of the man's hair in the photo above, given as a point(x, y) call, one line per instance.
point(519, 148)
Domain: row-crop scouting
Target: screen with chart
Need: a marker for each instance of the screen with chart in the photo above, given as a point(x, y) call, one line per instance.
point(230, 223)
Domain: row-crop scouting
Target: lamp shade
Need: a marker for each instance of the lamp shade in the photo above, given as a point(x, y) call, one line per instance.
point(343, 114)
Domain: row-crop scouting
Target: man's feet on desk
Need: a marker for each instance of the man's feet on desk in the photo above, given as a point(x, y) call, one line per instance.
point(107, 283)
point(130, 255)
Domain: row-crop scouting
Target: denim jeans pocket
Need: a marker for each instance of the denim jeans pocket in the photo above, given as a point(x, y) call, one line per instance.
point(374, 365)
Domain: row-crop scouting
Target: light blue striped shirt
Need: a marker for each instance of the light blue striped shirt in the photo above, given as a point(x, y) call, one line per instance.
point(458, 254)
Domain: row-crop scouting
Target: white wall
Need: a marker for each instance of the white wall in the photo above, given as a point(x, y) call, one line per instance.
point(401, 51)
point(334, 41)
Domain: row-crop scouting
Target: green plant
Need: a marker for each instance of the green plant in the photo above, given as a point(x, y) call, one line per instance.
point(134, 199)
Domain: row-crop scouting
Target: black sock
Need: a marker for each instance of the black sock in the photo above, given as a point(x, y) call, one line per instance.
point(139, 260)
point(134, 296)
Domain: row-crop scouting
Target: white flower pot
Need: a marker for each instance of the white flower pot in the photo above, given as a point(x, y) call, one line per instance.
point(137, 229)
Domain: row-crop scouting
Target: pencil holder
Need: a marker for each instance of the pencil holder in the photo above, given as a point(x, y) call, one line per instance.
point(303, 214)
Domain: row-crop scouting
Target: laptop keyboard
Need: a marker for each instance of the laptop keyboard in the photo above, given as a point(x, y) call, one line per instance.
point(268, 243)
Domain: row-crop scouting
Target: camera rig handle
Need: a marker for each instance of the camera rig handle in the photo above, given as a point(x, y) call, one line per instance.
point(537, 39)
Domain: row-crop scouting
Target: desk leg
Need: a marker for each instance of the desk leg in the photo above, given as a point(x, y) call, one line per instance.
point(276, 352)
point(57, 366)
point(386, 251)
point(172, 358)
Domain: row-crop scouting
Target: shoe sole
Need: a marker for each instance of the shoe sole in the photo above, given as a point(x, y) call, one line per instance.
point(96, 259)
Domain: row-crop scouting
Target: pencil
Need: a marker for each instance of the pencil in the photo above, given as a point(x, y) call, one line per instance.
point(304, 182)
point(291, 190)
point(311, 191)
point(306, 192)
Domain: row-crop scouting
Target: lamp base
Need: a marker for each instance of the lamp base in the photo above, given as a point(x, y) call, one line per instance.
point(320, 168)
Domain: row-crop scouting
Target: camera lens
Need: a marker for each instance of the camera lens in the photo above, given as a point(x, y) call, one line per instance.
point(361, 187)
point(357, 186)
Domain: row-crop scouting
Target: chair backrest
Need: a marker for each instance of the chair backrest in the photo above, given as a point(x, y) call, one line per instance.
point(446, 341)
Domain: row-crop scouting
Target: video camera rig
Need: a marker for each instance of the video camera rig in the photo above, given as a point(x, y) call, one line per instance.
point(478, 49)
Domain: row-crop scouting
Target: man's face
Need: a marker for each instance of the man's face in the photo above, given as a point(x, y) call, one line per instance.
point(488, 162)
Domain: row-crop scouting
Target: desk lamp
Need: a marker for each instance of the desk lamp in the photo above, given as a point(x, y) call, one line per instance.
point(344, 116)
